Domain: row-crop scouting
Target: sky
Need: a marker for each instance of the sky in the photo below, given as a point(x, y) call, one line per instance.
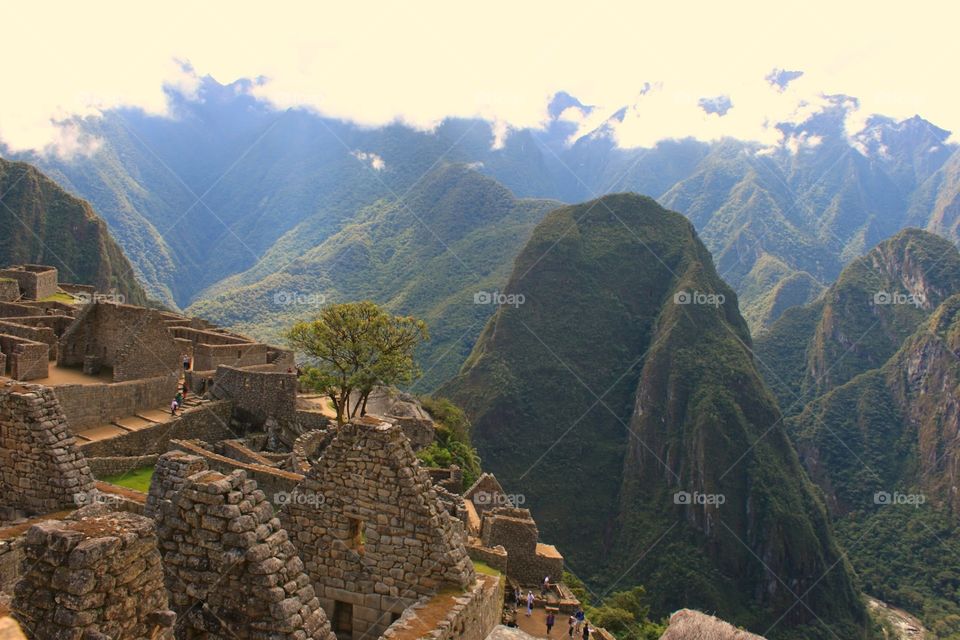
point(418, 62)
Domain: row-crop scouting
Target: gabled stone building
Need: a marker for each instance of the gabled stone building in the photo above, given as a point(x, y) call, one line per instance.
point(370, 529)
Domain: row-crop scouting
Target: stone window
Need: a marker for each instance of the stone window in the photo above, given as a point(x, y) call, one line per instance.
point(356, 538)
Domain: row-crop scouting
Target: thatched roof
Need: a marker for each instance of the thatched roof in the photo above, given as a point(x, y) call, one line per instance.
point(693, 625)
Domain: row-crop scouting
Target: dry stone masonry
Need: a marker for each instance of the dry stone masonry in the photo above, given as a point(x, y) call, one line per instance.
point(41, 467)
point(98, 578)
point(371, 532)
point(231, 571)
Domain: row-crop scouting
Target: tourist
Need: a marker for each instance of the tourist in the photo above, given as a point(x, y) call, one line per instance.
point(580, 616)
point(550, 620)
point(545, 587)
point(586, 631)
point(571, 624)
point(519, 598)
point(179, 399)
point(186, 363)
point(529, 603)
point(173, 407)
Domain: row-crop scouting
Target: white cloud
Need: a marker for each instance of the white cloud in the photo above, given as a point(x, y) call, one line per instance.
point(375, 161)
point(418, 62)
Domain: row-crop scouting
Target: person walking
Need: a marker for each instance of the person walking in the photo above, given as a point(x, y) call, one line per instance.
point(545, 587)
point(529, 603)
point(571, 623)
point(586, 631)
point(173, 407)
point(179, 399)
point(550, 620)
point(580, 616)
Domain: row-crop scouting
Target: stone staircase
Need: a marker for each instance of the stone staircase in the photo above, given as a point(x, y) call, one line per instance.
point(137, 422)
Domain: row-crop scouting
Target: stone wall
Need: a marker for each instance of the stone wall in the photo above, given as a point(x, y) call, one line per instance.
point(199, 336)
point(370, 530)
point(26, 359)
point(210, 423)
point(230, 568)
point(41, 467)
point(89, 405)
point(307, 448)
point(14, 310)
point(11, 563)
point(495, 558)
point(35, 281)
point(59, 323)
point(528, 561)
point(96, 578)
point(132, 341)
point(116, 465)
point(470, 616)
point(45, 335)
point(9, 289)
point(257, 395)
point(169, 476)
point(276, 484)
point(207, 357)
point(486, 493)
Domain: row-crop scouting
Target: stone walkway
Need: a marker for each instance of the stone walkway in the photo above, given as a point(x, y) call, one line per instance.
point(137, 422)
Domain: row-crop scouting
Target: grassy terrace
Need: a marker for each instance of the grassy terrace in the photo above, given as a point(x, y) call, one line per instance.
point(138, 479)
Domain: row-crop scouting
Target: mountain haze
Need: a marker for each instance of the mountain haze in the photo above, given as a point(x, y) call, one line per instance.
point(231, 187)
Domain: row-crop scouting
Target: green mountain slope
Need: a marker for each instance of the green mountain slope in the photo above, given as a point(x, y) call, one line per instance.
point(452, 237)
point(883, 449)
point(861, 320)
point(41, 223)
point(626, 379)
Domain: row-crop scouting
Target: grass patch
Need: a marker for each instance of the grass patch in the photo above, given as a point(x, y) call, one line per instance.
point(138, 479)
point(485, 569)
point(60, 296)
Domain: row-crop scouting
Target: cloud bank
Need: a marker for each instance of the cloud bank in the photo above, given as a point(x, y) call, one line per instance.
point(419, 62)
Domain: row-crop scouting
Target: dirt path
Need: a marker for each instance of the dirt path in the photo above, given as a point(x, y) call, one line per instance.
point(907, 626)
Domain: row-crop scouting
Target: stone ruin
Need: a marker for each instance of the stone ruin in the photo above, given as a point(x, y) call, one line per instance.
point(34, 282)
point(94, 579)
point(528, 559)
point(230, 568)
point(371, 532)
point(363, 539)
point(41, 468)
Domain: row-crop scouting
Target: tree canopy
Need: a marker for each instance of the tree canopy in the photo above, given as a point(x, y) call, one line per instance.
point(353, 348)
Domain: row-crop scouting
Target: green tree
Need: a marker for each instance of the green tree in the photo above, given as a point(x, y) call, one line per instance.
point(353, 348)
